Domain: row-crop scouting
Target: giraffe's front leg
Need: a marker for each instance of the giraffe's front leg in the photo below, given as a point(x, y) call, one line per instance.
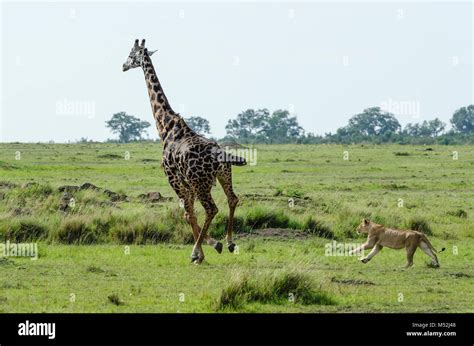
point(211, 211)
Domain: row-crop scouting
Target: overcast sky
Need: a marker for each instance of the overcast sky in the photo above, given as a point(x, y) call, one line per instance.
point(62, 78)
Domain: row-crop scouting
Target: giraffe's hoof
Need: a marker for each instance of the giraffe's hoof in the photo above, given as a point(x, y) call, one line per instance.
point(364, 260)
point(194, 258)
point(218, 247)
point(231, 247)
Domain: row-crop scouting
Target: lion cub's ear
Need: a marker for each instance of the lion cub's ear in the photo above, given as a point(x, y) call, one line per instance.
point(366, 221)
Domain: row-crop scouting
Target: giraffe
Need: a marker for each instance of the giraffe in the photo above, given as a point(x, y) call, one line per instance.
point(191, 162)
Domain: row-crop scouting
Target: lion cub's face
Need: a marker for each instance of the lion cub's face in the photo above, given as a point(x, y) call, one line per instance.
point(364, 227)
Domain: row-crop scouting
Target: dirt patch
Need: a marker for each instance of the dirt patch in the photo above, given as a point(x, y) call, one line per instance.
point(115, 197)
point(276, 233)
point(68, 188)
point(153, 197)
point(351, 281)
point(88, 186)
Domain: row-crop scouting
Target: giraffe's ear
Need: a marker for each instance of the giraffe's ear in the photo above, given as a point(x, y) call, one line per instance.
point(152, 52)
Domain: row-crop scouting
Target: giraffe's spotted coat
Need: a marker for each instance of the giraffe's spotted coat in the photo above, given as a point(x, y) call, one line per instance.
point(191, 162)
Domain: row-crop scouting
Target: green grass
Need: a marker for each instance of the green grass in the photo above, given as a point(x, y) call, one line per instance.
point(132, 256)
point(277, 288)
point(152, 278)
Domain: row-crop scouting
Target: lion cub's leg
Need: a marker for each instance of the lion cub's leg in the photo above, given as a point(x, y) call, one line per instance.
point(372, 253)
point(369, 244)
point(427, 250)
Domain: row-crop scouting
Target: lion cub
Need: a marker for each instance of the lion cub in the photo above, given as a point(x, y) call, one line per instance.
point(379, 236)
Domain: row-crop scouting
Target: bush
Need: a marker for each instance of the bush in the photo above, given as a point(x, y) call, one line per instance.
point(275, 289)
point(419, 224)
point(26, 230)
point(76, 230)
point(257, 218)
point(317, 228)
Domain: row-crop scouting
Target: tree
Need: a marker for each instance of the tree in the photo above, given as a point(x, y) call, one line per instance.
point(248, 125)
point(463, 120)
point(437, 127)
point(412, 130)
point(428, 128)
point(280, 127)
point(371, 124)
point(199, 125)
point(128, 127)
point(259, 126)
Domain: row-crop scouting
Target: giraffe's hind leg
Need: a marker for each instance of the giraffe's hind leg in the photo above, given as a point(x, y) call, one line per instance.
point(225, 179)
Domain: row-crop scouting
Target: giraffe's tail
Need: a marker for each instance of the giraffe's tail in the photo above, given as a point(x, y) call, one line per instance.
point(238, 161)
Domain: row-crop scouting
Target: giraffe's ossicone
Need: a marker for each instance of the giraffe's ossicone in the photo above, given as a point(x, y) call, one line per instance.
point(192, 163)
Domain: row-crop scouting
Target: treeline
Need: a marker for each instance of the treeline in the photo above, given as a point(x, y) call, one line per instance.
point(372, 125)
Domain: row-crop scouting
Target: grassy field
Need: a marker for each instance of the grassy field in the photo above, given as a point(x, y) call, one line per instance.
point(116, 249)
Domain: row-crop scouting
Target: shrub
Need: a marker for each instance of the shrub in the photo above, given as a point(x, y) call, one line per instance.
point(419, 224)
point(26, 230)
point(76, 230)
point(257, 218)
point(317, 228)
point(115, 299)
point(275, 289)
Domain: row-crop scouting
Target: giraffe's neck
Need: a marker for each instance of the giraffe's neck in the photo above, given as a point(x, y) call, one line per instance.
point(167, 121)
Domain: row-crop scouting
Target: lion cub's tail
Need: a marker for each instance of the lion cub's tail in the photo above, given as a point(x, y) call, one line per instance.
point(425, 239)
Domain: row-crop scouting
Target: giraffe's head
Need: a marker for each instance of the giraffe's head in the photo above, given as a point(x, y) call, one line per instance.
point(136, 56)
